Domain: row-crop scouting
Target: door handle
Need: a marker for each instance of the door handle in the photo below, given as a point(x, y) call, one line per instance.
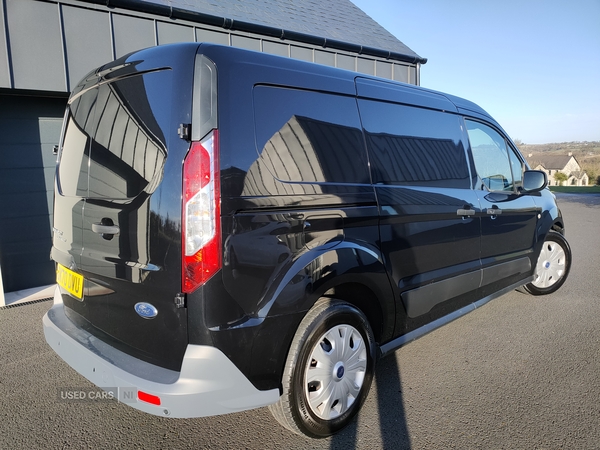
point(494, 211)
point(465, 212)
point(105, 229)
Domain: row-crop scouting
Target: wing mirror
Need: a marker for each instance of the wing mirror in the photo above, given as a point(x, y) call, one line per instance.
point(534, 181)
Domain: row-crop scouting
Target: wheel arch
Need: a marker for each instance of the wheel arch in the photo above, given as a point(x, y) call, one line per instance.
point(349, 272)
point(362, 297)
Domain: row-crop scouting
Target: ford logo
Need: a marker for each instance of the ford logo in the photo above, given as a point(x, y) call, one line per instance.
point(145, 310)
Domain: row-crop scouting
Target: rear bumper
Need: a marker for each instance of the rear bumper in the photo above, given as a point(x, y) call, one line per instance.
point(208, 383)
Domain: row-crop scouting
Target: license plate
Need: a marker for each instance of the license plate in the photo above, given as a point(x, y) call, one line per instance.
point(70, 281)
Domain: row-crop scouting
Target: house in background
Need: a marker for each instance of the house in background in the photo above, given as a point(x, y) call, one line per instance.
point(47, 46)
point(567, 164)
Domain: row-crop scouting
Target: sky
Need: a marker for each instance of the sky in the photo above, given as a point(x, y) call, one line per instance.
point(534, 65)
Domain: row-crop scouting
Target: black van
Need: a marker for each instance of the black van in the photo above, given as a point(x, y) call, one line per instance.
point(234, 229)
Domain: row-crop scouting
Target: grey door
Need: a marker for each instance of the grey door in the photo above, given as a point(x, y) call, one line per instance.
point(29, 128)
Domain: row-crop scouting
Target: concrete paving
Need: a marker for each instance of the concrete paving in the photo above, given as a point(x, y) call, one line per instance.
point(521, 372)
point(28, 295)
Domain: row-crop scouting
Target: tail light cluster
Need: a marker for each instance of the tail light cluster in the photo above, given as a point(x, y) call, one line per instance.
point(201, 213)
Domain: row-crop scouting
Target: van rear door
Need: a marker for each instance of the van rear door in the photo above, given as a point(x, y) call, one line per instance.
point(129, 223)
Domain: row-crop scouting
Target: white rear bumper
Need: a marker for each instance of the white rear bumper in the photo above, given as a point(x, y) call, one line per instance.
point(208, 384)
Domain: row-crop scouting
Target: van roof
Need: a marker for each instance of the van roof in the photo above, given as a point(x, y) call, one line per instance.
point(346, 78)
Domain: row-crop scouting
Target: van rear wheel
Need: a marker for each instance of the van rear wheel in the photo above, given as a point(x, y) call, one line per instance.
point(552, 267)
point(328, 371)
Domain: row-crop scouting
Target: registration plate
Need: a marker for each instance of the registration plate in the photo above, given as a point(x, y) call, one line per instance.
point(70, 281)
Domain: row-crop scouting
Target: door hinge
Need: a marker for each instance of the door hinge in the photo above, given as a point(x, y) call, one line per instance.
point(180, 300)
point(185, 131)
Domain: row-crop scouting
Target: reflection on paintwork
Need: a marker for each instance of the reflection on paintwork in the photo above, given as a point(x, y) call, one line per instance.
point(117, 138)
point(421, 232)
point(304, 151)
point(262, 245)
point(441, 162)
point(125, 147)
point(414, 146)
point(300, 144)
point(315, 271)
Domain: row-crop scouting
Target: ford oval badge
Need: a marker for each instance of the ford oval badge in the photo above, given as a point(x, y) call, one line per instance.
point(145, 310)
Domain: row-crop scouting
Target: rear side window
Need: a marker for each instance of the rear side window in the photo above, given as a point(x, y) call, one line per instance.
point(414, 146)
point(309, 137)
point(114, 146)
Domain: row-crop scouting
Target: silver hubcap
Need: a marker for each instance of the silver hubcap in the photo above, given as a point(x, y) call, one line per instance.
point(550, 266)
point(335, 371)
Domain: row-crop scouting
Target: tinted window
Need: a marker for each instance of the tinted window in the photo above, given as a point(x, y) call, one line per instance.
point(414, 146)
point(305, 136)
point(491, 156)
point(114, 144)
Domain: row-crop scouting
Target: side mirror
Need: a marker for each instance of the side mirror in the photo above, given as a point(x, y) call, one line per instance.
point(534, 181)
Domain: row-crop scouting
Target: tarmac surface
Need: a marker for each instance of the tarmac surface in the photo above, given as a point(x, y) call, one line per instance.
point(521, 372)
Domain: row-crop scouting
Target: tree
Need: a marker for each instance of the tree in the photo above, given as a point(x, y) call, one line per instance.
point(560, 178)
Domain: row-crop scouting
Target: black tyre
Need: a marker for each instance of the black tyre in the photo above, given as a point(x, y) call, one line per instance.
point(552, 267)
point(328, 371)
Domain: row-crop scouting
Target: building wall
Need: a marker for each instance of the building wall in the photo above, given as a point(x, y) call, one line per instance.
point(50, 45)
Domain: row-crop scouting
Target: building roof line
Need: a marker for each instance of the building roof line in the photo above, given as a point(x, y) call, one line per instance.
point(237, 25)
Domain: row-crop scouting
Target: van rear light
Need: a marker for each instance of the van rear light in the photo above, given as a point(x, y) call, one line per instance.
point(201, 213)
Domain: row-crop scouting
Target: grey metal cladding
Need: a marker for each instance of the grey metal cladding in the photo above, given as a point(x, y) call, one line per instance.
point(325, 58)
point(132, 33)
point(383, 69)
point(401, 73)
point(36, 46)
point(169, 33)
point(87, 40)
point(302, 53)
point(332, 19)
point(245, 42)
point(5, 80)
point(276, 48)
point(346, 62)
point(212, 36)
point(365, 66)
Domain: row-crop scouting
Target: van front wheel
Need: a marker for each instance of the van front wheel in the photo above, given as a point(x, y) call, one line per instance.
point(328, 371)
point(552, 267)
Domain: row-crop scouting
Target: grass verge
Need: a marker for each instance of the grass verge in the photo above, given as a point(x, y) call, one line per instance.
point(576, 189)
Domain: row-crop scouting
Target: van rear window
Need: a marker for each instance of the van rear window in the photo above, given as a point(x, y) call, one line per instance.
point(114, 145)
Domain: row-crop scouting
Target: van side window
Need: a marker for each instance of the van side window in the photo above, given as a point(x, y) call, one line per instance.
point(516, 166)
point(309, 137)
point(491, 156)
point(414, 146)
